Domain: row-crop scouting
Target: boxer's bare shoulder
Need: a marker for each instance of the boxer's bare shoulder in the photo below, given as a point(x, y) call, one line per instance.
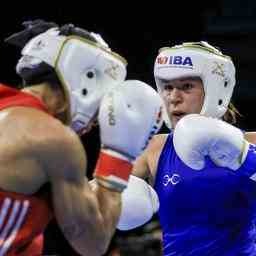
point(42, 143)
point(251, 137)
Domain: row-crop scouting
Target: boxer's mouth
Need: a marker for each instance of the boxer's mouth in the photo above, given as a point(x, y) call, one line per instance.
point(178, 114)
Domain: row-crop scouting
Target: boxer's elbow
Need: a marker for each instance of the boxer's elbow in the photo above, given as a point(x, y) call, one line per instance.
point(87, 238)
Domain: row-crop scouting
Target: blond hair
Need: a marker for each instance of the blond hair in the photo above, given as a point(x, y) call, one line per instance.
point(231, 114)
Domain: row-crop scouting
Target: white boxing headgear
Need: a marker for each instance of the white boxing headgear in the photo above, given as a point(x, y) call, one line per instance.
point(86, 70)
point(216, 70)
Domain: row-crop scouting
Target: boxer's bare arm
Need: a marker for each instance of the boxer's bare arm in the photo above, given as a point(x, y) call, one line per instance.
point(145, 165)
point(87, 221)
point(251, 137)
point(141, 168)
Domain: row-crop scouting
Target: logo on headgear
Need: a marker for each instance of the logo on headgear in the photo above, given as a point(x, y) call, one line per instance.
point(175, 61)
point(162, 60)
point(218, 69)
point(112, 71)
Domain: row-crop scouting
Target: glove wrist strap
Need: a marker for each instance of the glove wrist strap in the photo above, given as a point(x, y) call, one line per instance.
point(113, 170)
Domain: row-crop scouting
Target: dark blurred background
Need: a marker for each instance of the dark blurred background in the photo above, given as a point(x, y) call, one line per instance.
point(137, 33)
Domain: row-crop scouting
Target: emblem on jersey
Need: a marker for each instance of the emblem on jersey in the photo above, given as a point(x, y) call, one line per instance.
point(175, 61)
point(174, 179)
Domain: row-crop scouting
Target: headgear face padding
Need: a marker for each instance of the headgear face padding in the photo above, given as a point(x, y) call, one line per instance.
point(86, 70)
point(202, 60)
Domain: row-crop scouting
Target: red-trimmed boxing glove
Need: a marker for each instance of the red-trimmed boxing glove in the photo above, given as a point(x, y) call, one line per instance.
point(129, 116)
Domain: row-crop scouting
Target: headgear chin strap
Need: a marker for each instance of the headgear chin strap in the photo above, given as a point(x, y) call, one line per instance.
point(216, 70)
point(86, 70)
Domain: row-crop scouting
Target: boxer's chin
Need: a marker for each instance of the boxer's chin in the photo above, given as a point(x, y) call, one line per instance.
point(176, 117)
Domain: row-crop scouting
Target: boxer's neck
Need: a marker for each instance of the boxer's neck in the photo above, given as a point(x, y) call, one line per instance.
point(53, 98)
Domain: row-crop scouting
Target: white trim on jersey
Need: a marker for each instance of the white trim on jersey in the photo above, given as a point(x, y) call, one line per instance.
point(11, 227)
point(4, 211)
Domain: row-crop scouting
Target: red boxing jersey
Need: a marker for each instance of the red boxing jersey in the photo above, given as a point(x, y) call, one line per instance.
point(10, 97)
point(23, 218)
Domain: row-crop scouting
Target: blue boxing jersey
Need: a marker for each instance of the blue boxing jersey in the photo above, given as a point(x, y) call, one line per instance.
point(210, 212)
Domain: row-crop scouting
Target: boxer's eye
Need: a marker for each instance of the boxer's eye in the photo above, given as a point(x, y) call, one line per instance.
point(187, 86)
point(168, 87)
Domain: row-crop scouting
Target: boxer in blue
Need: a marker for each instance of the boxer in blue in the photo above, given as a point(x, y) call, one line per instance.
point(203, 171)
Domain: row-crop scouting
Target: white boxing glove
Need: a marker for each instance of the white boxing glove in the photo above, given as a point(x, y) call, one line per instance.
point(196, 136)
point(139, 203)
point(129, 116)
